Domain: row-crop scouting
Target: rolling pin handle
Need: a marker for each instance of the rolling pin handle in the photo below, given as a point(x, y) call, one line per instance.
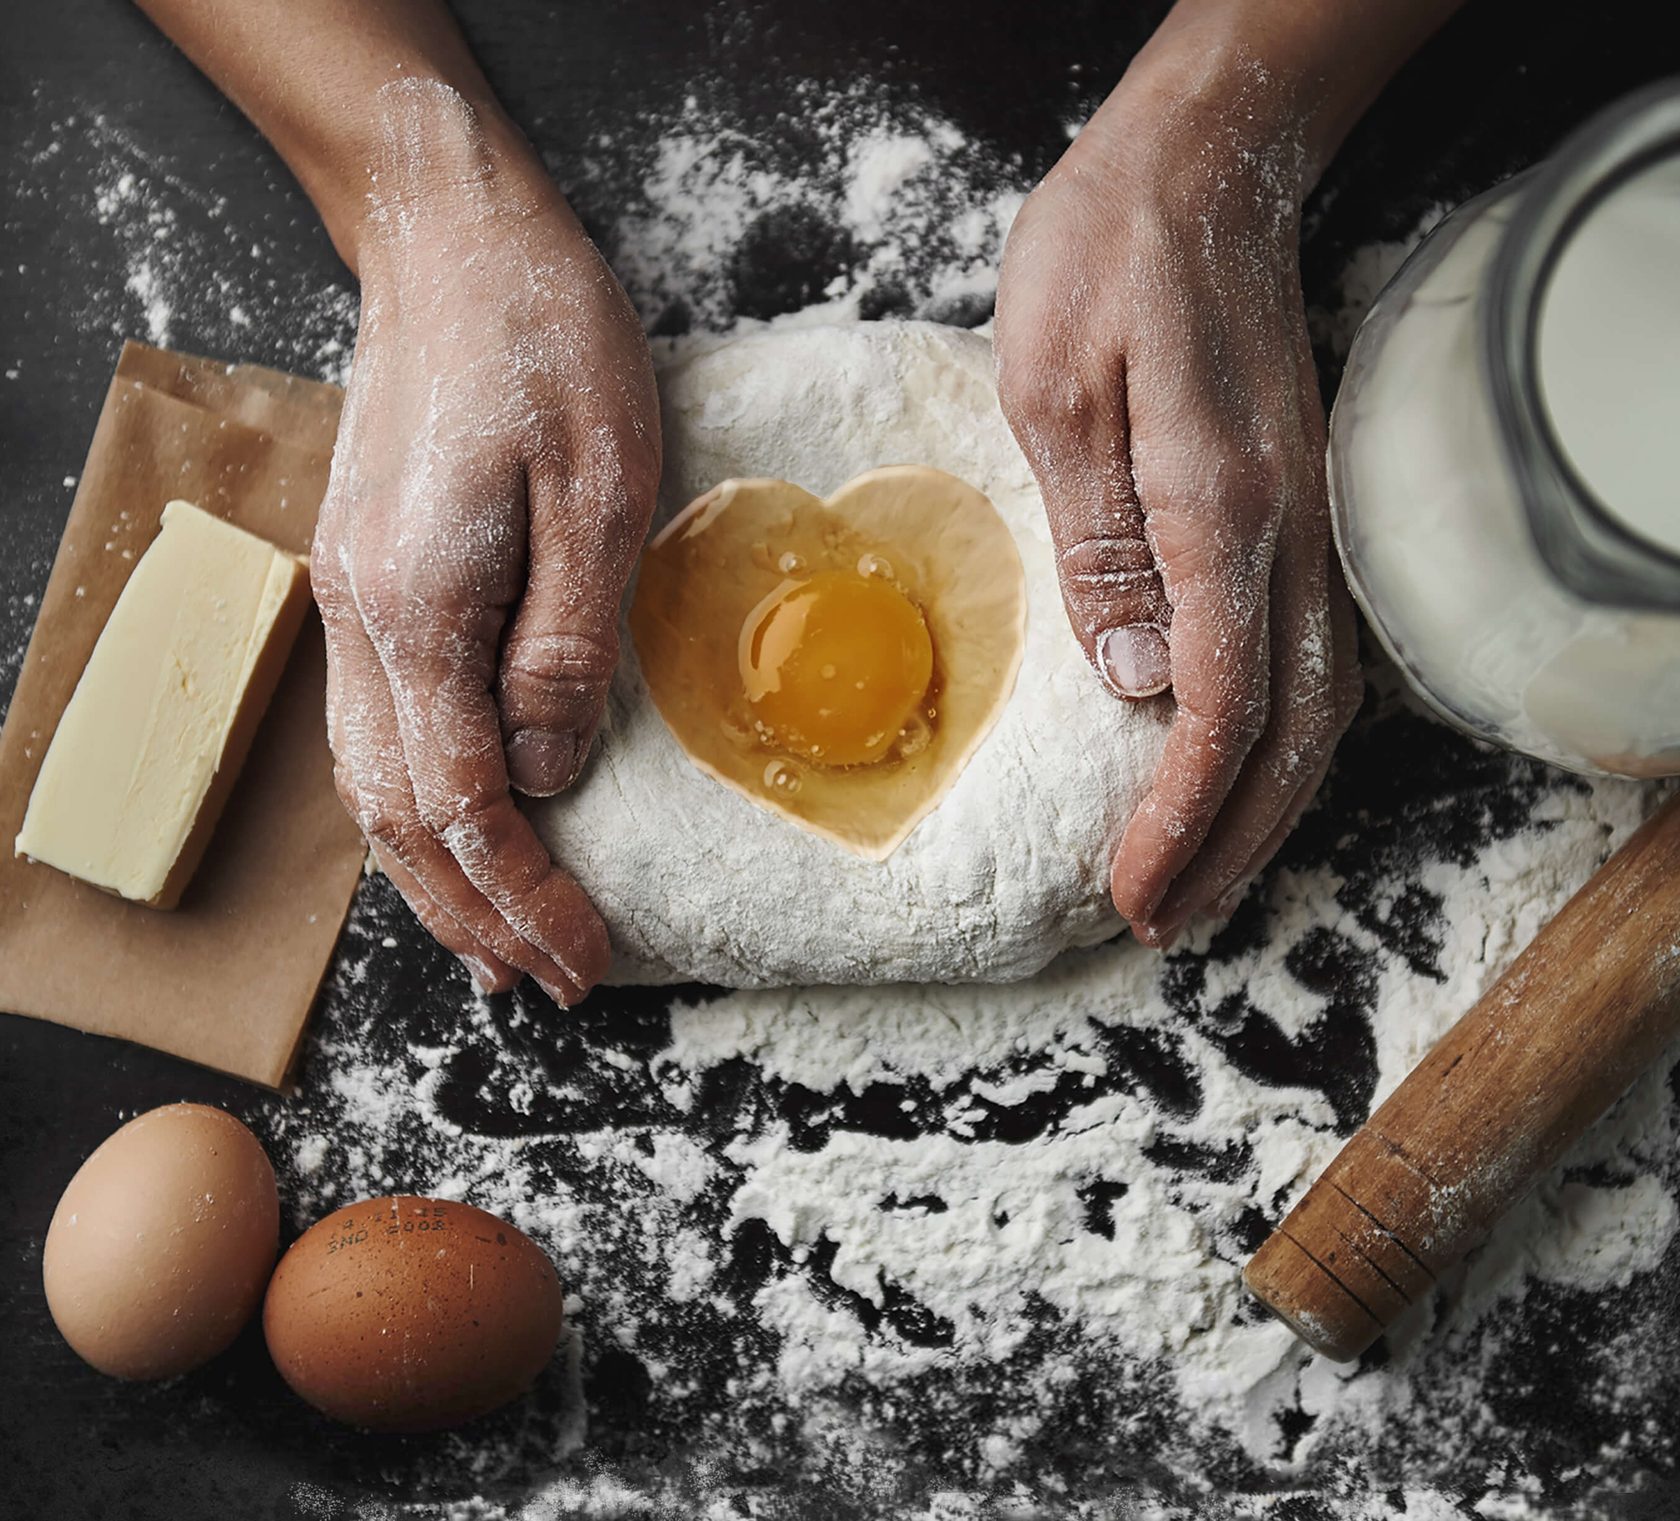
point(1580, 1014)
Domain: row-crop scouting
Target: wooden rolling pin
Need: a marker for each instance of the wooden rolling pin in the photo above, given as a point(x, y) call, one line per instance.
point(1577, 1017)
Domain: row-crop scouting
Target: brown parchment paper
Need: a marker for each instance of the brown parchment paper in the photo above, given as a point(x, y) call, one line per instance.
point(227, 978)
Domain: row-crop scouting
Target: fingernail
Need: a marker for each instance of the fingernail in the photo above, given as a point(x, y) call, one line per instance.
point(1135, 661)
point(482, 978)
point(1232, 899)
point(540, 762)
point(563, 996)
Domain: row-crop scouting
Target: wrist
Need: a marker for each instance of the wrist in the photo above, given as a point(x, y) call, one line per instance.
point(1205, 115)
point(425, 156)
point(1278, 82)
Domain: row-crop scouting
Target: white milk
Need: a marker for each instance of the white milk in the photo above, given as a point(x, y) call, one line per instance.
point(1609, 352)
point(1430, 512)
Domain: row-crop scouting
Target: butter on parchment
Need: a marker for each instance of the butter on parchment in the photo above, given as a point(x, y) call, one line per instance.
point(164, 714)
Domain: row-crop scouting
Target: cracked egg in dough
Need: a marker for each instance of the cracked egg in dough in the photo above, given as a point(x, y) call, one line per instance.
point(836, 661)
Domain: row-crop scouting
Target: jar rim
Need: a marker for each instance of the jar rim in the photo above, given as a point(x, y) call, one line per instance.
point(1588, 547)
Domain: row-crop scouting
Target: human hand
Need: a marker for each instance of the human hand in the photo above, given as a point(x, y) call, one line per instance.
point(1154, 364)
point(491, 488)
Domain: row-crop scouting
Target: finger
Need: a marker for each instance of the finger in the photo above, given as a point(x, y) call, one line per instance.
point(1220, 653)
point(1315, 685)
point(561, 646)
point(1300, 731)
point(1218, 453)
point(1071, 422)
point(1226, 903)
point(372, 778)
point(490, 974)
point(452, 747)
point(1349, 693)
point(355, 683)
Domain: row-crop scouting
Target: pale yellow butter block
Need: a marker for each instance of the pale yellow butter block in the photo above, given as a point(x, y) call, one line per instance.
point(159, 724)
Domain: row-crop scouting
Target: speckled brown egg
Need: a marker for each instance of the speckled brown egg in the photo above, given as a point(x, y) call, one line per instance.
point(407, 1314)
point(160, 1248)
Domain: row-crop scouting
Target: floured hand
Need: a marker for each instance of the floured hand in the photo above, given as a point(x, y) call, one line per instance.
point(492, 485)
point(1154, 364)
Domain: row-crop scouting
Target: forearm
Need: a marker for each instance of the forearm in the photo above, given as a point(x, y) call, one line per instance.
point(313, 75)
point(1294, 73)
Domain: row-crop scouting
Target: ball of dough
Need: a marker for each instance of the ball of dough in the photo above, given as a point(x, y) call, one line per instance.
point(698, 884)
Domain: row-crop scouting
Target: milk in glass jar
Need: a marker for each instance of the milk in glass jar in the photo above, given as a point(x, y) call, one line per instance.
point(1505, 454)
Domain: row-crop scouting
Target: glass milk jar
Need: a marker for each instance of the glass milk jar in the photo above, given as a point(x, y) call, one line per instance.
point(1505, 454)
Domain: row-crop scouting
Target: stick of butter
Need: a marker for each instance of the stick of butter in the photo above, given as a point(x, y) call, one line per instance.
point(159, 724)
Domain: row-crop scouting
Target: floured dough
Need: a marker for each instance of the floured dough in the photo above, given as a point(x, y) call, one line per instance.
point(696, 882)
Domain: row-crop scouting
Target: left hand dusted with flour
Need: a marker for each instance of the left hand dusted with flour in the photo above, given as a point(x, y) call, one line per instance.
point(491, 489)
point(495, 470)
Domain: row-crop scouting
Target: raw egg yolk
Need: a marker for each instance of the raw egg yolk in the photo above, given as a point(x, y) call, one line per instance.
point(835, 665)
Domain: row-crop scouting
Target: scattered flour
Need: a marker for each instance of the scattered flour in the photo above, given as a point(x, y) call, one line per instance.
point(161, 259)
point(908, 214)
point(1602, 1237)
point(1045, 1176)
point(1369, 269)
point(901, 212)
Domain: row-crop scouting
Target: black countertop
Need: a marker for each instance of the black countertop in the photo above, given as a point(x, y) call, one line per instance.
point(89, 94)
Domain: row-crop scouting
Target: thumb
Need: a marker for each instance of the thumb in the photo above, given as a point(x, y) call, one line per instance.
point(1110, 579)
point(1111, 585)
point(561, 645)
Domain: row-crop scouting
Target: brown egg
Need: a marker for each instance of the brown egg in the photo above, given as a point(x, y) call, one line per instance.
point(409, 1314)
point(160, 1248)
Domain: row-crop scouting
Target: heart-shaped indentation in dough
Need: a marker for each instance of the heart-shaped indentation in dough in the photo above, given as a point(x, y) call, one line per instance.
point(946, 549)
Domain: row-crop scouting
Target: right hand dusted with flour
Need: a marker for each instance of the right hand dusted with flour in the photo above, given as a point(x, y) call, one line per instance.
point(1154, 364)
point(491, 489)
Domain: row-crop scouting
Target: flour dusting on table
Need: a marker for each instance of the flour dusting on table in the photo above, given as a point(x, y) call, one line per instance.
point(166, 265)
point(892, 209)
point(998, 1217)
